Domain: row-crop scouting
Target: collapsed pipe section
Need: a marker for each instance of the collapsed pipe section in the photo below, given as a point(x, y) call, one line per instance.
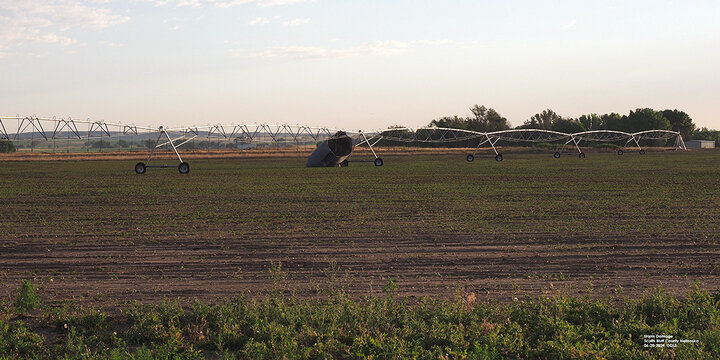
point(332, 151)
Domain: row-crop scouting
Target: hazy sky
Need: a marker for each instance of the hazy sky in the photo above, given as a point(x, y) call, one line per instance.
point(362, 64)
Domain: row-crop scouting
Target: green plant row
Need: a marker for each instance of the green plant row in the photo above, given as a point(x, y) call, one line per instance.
point(378, 327)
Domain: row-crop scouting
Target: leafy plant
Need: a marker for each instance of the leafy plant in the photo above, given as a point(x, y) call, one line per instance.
point(28, 299)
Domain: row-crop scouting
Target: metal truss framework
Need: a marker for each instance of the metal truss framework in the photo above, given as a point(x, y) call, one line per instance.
point(448, 135)
point(33, 128)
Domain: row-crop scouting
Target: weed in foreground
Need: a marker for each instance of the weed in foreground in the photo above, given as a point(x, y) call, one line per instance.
point(387, 326)
point(28, 299)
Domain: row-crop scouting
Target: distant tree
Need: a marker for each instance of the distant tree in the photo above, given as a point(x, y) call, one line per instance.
point(149, 143)
point(450, 122)
point(208, 145)
point(680, 121)
point(646, 119)
point(550, 120)
point(7, 146)
point(190, 145)
point(543, 120)
point(123, 143)
point(487, 119)
point(568, 126)
point(612, 121)
point(483, 119)
point(591, 122)
point(707, 134)
point(100, 144)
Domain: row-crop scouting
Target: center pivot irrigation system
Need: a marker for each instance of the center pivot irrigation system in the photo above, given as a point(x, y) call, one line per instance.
point(335, 145)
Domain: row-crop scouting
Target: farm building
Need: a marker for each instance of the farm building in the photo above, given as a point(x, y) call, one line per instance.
point(700, 144)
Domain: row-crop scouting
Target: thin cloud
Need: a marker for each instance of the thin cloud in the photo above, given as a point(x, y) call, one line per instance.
point(296, 22)
point(259, 21)
point(41, 22)
point(189, 3)
point(570, 24)
point(109, 43)
point(229, 3)
point(266, 3)
point(434, 42)
point(378, 48)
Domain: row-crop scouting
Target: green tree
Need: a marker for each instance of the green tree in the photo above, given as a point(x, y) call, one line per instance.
point(101, 144)
point(591, 122)
point(450, 122)
point(707, 134)
point(612, 121)
point(483, 119)
point(680, 121)
point(6, 146)
point(487, 119)
point(646, 119)
point(543, 120)
point(568, 126)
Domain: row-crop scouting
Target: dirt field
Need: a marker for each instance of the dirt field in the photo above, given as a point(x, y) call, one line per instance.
point(437, 225)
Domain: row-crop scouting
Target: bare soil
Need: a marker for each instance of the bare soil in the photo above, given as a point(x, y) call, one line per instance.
point(219, 231)
point(426, 265)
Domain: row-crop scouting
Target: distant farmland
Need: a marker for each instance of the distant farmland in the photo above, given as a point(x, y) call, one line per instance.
point(434, 225)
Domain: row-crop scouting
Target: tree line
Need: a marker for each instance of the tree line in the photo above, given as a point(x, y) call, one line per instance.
point(484, 119)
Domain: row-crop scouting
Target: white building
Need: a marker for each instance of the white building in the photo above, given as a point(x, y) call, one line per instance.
point(700, 144)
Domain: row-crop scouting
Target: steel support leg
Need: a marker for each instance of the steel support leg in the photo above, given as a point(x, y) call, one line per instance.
point(492, 143)
point(679, 143)
point(637, 144)
point(576, 142)
point(173, 145)
point(370, 145)
point(155, 146)
point(478, 147)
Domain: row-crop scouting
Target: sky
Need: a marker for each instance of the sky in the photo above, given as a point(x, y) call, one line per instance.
point(356, 64)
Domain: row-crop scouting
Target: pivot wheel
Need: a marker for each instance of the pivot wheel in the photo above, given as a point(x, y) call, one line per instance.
point(140, 168)
point(344, 163)
point(470, 158)
point(642, 152)
point(581, 155)
point(184, 168)
point(378, 162)
point(498, 157)
point(620, 152)
point(556, 155)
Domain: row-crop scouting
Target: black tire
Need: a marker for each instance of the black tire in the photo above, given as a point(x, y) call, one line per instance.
point(642, 152)
point(140, 168)
point(620, 152)
point(498, 157)
point(378, 162)
point(581, 155)
point(470, 158)
point(556, 155)
point(344, 163)
point(184, 168)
